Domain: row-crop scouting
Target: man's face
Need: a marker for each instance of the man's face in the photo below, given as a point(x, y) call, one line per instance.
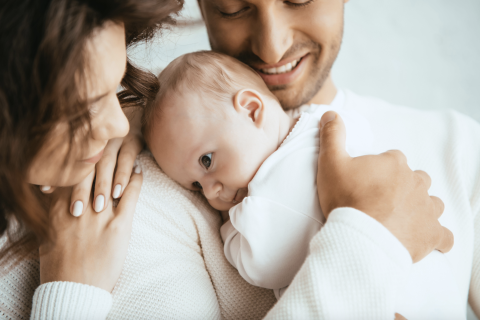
point(291, 44)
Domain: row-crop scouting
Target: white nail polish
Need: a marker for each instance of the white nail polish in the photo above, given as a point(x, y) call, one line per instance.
point(99, 203)
point(45, 188)
point(116, 191)
point(138, 169)
point(77, 208)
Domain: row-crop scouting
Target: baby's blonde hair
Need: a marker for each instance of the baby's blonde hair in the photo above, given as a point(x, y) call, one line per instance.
point(214, 75)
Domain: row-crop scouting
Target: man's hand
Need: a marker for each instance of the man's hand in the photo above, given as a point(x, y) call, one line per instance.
point(383, 187)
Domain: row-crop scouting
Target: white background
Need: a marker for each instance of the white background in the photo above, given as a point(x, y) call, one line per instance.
point(419, 53)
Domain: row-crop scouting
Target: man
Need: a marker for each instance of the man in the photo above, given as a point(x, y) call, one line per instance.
point(293, 45)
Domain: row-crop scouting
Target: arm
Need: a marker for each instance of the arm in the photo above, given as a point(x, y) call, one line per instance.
point(471, 175)
point(353, 270)
point(266, 241)
point(379, 218)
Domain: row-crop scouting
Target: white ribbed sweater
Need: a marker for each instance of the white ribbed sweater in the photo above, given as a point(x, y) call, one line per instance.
point(175, 267)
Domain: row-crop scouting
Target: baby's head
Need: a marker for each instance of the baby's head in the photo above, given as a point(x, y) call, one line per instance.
point(212, 125)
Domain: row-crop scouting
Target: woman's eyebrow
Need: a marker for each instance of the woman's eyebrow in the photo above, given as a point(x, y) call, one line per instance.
point(98, 98)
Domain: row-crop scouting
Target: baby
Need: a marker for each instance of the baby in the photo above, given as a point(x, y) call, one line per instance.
point(216, 128)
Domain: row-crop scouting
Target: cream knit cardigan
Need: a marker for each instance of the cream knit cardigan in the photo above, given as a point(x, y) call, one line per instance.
point(176, 269)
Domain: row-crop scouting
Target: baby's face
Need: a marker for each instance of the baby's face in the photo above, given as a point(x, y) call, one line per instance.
point(215, 149)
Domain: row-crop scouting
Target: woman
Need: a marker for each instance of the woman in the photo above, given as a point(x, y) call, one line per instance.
point(68, 58)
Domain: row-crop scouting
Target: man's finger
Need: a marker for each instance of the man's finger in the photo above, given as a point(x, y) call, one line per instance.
point(439, 206)
point(446, 240)
point(332, 136)
point(128, 202)
point(104, 177)
point(398, 316)
point(81, 195)
point(425, 177)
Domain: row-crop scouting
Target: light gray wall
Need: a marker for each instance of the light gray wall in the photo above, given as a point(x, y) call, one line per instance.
point(419, 53)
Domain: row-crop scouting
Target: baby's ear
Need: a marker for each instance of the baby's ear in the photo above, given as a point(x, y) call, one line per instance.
point(249, 102)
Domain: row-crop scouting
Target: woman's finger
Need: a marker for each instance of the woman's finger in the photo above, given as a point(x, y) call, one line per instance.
point(58, 213)
point(131, 147)
point(47, 189)
point(81, 195)
point(126, 206)
point(104, 176)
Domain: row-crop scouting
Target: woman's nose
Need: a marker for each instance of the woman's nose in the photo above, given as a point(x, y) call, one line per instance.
point(110, 122)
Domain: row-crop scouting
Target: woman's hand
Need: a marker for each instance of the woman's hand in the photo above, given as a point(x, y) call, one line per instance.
point(92, 248)
point(126, 149)
point(383, 187)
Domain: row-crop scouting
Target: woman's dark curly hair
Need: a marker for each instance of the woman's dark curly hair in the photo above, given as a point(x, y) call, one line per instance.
point(42, 65)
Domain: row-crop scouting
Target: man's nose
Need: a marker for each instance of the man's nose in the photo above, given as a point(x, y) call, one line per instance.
point(271, 37)
point(211, 188)
point(110, 122)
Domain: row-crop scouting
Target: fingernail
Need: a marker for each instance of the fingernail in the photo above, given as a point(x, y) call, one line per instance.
point(138, 169)
point(77, 208)
point(329, 116)
point(99, 203)
point(45, 188)
point(116, 191)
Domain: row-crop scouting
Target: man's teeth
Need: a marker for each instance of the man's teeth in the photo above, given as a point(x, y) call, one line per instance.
point(282, 69)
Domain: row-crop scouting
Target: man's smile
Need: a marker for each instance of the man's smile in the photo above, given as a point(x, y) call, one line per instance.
point(284, 72)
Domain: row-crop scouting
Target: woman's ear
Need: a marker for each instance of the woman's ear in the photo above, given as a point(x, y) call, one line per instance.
point(249, 103)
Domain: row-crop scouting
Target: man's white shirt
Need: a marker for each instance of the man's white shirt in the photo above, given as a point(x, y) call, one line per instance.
point(268, 234)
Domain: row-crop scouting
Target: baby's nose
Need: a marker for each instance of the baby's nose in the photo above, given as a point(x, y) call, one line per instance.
point(212, 189)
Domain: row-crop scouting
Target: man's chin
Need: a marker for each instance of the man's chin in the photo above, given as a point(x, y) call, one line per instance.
point(302, 92)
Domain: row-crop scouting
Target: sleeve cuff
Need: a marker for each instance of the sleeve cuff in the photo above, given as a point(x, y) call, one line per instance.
point(70, 300)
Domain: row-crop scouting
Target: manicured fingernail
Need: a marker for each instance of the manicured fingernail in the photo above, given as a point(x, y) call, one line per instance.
point(138, 169)
point(99, 203)
point(45, 188)
point(116, 191)
point(77, 208)
point(329, 116)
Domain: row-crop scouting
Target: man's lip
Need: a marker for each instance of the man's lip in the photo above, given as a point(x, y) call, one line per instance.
point(287, 77)
point(280, 63)
point(95, 158)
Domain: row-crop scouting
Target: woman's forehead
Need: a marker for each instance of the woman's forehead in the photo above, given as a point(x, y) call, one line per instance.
point(106, 59)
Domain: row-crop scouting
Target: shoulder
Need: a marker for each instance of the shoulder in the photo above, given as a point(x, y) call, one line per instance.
point(445, 143)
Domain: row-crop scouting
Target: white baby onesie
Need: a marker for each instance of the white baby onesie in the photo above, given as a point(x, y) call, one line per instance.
point(268, 234)
point(269, 231)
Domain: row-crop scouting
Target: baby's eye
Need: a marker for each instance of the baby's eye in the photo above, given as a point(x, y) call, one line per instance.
point(206, 160)
point(197, 185)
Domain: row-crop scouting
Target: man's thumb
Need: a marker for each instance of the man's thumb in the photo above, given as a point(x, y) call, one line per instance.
point(332, 136)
